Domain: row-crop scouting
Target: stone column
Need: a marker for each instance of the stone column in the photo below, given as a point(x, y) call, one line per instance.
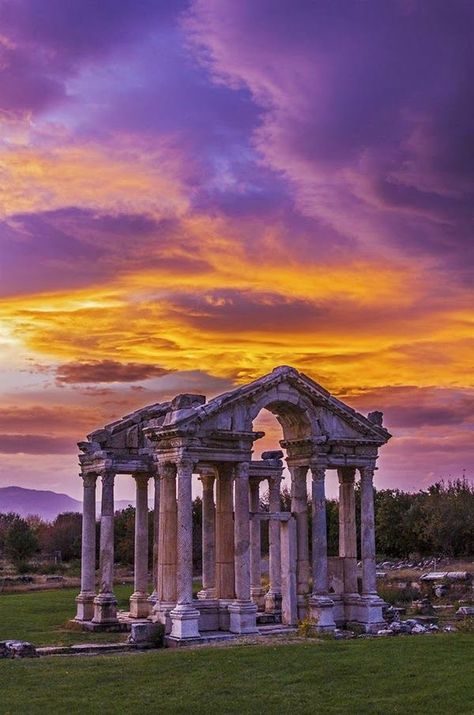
point(166, 568)
point(321, 606)
point(156, 537)
point(347, 530)
point(289, 606)
point(299, 507)
point(273, 597)
point(184, 617)
point(208, 536)
point(139, 606)
point(242, 611)
point(224, 534)
point(256, 590)
point(105, 603)
point(369, 582)
point(371, 602)
point(85, 599)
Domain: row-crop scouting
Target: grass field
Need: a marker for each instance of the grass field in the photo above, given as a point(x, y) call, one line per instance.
point(41, 617)
point(419, 675)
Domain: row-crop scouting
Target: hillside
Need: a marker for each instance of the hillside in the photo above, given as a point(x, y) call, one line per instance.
point(45, 504)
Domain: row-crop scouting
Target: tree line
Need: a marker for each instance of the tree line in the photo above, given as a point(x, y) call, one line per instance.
point(438, 521)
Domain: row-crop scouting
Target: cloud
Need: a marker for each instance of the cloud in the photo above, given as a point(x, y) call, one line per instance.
point(106, 371)
point(367, 117)
point(35, 444)
point(407, 407)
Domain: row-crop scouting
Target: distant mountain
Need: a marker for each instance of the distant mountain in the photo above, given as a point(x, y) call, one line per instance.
point(45, 504)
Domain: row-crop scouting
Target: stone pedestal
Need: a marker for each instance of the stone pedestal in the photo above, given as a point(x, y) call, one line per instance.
point(184, 622)
point(321, 608)
point(243, 617)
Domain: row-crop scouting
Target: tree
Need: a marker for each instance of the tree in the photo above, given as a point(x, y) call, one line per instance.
point(124, 535)
point(20, 541)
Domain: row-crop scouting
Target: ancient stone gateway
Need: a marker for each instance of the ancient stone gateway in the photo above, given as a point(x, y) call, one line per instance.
point(168, 443)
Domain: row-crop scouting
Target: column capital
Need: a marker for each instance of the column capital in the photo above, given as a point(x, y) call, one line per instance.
point(166, 470)
point(318, 472)
point(346, 474)
point(207, 481)
point(89, 480)
point(141, 478)
point(367, 473)
point(108, 477)
point(184, 467)
point(242, 470)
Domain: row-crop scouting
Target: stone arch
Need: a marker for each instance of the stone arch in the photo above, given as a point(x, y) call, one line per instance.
point(295, 412)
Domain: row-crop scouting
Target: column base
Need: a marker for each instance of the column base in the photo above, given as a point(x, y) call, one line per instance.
point(321, 608)
point(224, 615)
point(184, 622)
point(243, 617)
point(139, 605)
point(257, 594)
point(161, 613)
point(208, 614)
point(370, 613)
point(273, 601)
point(206, 594)
point(105, 608)
point(302, 606)
point(153, 598)
point(85, 606)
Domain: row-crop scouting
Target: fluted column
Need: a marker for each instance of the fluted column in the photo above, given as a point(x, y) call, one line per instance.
point(166, 571)
point(321, 606)
point(184, 616)
point(319, 533)
point(85, 599)
point(347, 530)
point(105, 603)
point(299, 507)
point(156, 537)
point(139, 606)
point(242, 611)
point(224, 534)
point(369, 580)
point(256, 589)
point(207, 479)
point(273, 597)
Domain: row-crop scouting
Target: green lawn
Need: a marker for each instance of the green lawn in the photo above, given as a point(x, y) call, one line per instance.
point(41, 617)
point(422, 674)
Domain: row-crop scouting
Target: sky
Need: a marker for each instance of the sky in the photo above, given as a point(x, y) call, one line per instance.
point(194, 192)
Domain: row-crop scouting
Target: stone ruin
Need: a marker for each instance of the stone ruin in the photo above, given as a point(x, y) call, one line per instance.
point(166, 444)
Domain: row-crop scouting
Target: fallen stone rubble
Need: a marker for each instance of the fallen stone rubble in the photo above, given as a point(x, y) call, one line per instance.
point(17, 649)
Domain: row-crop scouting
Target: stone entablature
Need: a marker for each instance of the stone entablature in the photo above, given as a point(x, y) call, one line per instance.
point(167, 443)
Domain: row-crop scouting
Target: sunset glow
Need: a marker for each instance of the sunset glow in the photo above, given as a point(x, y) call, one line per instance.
point(192, 193)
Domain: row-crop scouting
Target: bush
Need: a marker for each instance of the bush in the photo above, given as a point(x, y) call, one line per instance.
point(395, 596)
